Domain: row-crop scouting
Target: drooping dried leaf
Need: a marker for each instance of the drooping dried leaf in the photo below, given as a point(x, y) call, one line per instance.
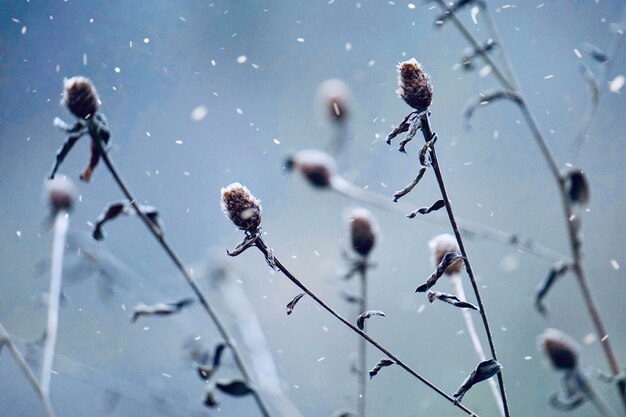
point(217, 355)
point(401, 128)
point(425, 210)
point(350, 297)
point(424, 153)
point(409, 187)
point(566, 404)
point(483, 371)
point(381, 364)
point(450, 299)
point(360, 320)
point(416, 125)
point(160, 309)
point(447, 260)
point(485, 98)
point(293, 303)
point(114, 210)
point(596, 53)
point(344, 414)
point(235, 387)
point(556, 271)
point(209, 399)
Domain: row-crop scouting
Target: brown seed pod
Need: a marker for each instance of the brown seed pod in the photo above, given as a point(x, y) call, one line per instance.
point(60, 194)
point(316, 166)
point(241, 207)
point(333, 97)
point(363, 230)
point(439, 246)
point(560, 349)
point(415, 87)
point(80, 97)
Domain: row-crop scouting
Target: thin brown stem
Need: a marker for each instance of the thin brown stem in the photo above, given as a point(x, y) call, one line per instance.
point(260, 244)
point(428, 135)
point(361, 403)
point(158, 235)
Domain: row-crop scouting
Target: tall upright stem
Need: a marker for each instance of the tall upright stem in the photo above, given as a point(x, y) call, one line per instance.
point(61, 224)
point(362, 345)
point(428, 135)
point(260, 244)
point(158, 235)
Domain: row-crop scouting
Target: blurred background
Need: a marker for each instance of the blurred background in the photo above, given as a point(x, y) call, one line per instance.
point(201, 94)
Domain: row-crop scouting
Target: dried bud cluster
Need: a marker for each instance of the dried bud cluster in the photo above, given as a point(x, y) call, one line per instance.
point(363, 230)
point(439, 246)
point(60, 194)
point(241, 207)
point(333, 96)
point(80, 97)
point(560, 349)
point(317, 167)
point(577, 186)
point(415, 88)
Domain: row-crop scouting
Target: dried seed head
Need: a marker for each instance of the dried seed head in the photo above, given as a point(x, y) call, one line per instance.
point(60, 193)
point(415, 88)
point(577, 186)
point(439, 246)
point(363, 230)
point(333, 96)
point(560, 349)
point(241, 207)
point(317, 167)
point(80, 97)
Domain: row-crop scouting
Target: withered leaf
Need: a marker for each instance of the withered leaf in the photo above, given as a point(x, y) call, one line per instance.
point(293, 303)
point(450, 299)
point(566, 404)
point(349, 297)
point(401, 128)
point(209, 399)
point(409, 187)
point(596, 53)
point(74, 132)
point(217, 355)
point(425, 210)
point(556, 271)
point(483, 371)
point(485, 98)
point(416, 125)
point(447, 260)
point(160, 309)
point(360, 320)
point(114, 210)
point(424, 153)
point(381, 364)
point(235, 387)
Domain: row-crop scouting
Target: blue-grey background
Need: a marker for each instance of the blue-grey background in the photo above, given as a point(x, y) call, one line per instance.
point(175, 56)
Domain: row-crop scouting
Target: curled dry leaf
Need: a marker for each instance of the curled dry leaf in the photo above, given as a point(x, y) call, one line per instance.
point(596, 53)
point(409, 187)
point(159, 309)
point(360, 321)
point(485, 98)
point(402, 127)
point(447, 260)
point(450, 299)
point(349, 297)
point(415, 127)
point(425, 210)
point(381, 364)
point(114, 210)
point(209, 399)
point(235, 387)
point(566, 404)
point(293, 303)
point(483, 371)
point(556, 271)
point(424, 153)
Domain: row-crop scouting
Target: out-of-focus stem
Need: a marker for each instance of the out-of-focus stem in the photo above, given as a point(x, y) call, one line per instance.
point(361, 402)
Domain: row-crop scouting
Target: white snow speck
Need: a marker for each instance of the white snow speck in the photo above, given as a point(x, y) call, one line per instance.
point(241, 59)
point(213, 62)
point(166, 375)
point(179, 142)
point(547, 77)
point(411, 6)
point(117, 69)
point(23, 30)
point(589, 339)
point(146, 40)
point(148, 134)
point(199, 113)
point(301, 40)
point(527, 358)
point(614, 264)
point(18, 233)
point(239, 111)
point(420, 309)
point(474, 13)
point(616, 84)
point(577, 52)
point(85, 59)
point(371, 63)
point(276, 141)
point(321, 359)
point(145, 329)
point(348, 46)
point(15, 20)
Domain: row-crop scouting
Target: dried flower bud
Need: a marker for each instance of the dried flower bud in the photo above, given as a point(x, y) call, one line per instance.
point(333, 96)
point(60, 194)
point(415, 88)
point(317, 167)
point(577, 186)
point(439, 246)
point(80, 97)
point(241, 207)
point(363, 230)
point(560, 349)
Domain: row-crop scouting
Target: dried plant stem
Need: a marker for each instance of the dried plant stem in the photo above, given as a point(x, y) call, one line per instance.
point(260, 244)
point(468, 228)
point(158, 235)
point(575, 248)
point(6, 340)
point(361, 403)
point(61, 224)
point(457, 283)
point(428, 135)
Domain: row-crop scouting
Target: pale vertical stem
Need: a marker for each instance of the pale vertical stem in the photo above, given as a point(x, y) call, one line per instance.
point(457, 283)
point(61, 224)
point(362, 347)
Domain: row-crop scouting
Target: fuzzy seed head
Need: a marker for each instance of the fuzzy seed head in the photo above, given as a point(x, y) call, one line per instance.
point(363, 230)
point(241, 207)
point(60, 193)
point(439, 246)
point(560, 349)
point(415, 87)
point(316, 166)
point(80, 97)
point(334, 96)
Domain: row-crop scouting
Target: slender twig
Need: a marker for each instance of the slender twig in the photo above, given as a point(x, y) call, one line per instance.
point(457, 283)
point(361, 403)
point(61, 224)
point(158, 235)
point(6, 340)
point(260, 244)
point(468, 228)
point(572, 232)
point(428, 135)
